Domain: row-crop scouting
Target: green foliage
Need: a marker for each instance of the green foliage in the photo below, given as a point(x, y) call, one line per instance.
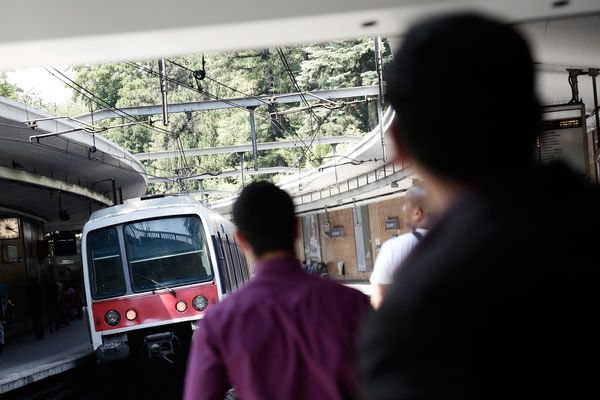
point(233, 75)
point(104, 80)
point(7, 89)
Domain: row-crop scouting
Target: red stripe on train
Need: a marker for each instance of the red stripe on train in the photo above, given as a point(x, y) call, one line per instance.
point(151, 308)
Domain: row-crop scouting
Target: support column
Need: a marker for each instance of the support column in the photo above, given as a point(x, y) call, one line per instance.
point(379, 67)
point(253, 134)
point(242, 168)
point(362, 237)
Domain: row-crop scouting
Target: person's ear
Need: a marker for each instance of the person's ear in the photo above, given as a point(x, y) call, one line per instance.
point(418, 213)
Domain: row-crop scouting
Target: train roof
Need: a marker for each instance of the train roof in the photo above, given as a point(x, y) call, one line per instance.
point(152, 202)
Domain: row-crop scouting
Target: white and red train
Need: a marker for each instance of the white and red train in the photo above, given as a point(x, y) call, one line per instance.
point(152, 268)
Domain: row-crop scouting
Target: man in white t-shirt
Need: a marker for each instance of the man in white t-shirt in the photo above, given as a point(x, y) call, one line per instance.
point(394, 251)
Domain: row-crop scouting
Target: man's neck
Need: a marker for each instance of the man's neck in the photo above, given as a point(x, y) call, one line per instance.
point(273, 255)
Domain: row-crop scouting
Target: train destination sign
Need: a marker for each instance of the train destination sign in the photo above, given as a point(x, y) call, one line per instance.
point(564, 137)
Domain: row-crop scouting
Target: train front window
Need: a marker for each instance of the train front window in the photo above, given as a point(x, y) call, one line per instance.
point(106, 272)
point(166, 252)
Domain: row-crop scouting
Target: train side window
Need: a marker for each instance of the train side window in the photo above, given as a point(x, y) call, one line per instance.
point(240, 256)
point(245, 265)
point(236, 262)
point(224, 272)
point(107, 278)
point(229, 263)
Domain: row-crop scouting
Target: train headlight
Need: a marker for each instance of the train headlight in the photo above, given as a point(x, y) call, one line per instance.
point(112, 317)
point(181, 306)
point(200, 303)
point(131, 314)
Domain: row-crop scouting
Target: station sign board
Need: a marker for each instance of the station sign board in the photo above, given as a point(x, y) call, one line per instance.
point(564, 137)
point(392, 223)
point(336, 232)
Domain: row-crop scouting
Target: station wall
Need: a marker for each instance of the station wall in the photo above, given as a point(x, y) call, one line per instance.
point(19, 260)
point(342, 248)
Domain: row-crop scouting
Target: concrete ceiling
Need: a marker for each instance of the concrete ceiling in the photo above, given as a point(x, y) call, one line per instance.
point(32, 173)
point(560, 44)
point(66, 32)
point(39, 32)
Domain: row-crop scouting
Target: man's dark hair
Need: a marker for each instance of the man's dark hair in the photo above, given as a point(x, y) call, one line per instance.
point(264, 214)
point(464, 93)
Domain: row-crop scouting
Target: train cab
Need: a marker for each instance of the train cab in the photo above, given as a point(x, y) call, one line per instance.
point(152, 268)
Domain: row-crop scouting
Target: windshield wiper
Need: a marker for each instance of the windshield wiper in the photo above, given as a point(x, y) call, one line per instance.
point(158, 285)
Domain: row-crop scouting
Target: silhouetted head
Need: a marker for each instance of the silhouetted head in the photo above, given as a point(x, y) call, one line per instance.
point(265, 219)
point(463, 90)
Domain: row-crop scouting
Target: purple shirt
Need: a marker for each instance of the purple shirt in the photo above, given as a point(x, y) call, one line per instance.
point(285, 335)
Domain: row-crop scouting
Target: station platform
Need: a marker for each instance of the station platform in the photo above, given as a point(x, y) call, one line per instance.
point(27, 360)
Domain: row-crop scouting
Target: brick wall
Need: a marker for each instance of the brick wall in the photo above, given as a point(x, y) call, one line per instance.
point(340, 248)
point(344, 248)
point(378, 214)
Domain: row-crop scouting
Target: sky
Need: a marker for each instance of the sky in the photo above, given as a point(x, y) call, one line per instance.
point(38, 80)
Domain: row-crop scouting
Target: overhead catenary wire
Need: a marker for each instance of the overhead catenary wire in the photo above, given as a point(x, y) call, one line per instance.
point(300, 92)
point(274, 122)
point(295, 83)
point(185, 85)
point(99, 101)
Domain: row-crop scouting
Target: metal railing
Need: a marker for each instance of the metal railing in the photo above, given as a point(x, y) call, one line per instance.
point(349, 184)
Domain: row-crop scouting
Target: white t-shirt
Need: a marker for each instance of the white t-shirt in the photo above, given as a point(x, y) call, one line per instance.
point(391, 255)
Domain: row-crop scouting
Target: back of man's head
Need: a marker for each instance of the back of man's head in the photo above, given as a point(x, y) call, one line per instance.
point(264, 215)
point(417, 208)
point(463, 90)
point(418, 197)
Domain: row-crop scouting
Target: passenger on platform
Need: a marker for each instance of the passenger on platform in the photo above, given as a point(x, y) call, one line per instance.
point(66, 303)
point(286, 334)
point(392, 254)
point(52, 304)
point(77, 299)
point(35, 297)
point(2, 320)
point(499, 299)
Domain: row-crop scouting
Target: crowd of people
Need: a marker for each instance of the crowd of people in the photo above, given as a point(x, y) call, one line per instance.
point(493, 298)
point(54, 304)
point(51, 305)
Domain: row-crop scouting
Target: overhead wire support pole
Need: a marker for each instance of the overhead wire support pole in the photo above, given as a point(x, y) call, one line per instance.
point(593, 72)
point(202, 199)
point(242, 168)
point(573, 82)
point(337, 182)
point(379, 66)
point(162, 77)
point(253, 134)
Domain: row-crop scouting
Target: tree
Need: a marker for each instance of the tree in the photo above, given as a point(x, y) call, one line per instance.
point(7, 89)
point(230, 75)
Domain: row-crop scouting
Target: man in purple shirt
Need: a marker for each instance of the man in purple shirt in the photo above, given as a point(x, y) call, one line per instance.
point(286, 334)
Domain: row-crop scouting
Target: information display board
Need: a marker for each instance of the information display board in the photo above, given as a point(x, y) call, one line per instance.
point(564, 137)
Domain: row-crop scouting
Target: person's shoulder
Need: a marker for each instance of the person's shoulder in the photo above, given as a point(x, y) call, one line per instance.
point(405, 239)
point(336, 289)
point(233, 303)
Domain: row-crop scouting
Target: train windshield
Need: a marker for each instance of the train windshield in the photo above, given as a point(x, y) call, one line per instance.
point(106, 272)
point(166, 252)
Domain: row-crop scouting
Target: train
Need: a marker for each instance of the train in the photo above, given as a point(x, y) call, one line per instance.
point(153, 267)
